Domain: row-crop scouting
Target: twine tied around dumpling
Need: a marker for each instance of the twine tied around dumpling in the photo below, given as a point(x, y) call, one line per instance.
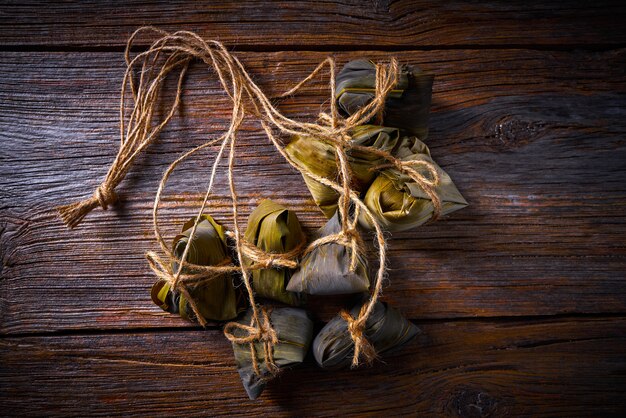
point(363, 348)
point(427, 184)
point(196, 275)
point(264, 260)
point(173, 52)
point(259, 330)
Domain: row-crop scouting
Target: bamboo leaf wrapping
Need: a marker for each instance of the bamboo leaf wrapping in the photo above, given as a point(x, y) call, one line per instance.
point(407, 106)
point(326, 269)
point(385, 329)
point(216, 300)
point(320, 159)
point(295, 332)
point(274, 229)
point(398, 203)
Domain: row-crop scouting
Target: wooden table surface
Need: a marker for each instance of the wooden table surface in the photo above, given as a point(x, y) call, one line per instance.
point(521, 297)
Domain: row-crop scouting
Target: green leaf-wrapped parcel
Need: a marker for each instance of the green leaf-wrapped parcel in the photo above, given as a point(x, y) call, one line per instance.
point(216, 300)
point(273, 229)
point(319, 158)
point(407, 106)
point(385, 329)
point(398, 203)
point(326, 269)
point(295, 332)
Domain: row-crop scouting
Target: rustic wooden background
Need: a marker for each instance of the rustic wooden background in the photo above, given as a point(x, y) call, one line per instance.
point(521, 297)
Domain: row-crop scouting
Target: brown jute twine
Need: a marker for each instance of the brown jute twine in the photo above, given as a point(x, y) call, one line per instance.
point(173, 52)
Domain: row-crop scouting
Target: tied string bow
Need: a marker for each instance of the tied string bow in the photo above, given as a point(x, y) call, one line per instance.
point(257, 332)
point(173, 52)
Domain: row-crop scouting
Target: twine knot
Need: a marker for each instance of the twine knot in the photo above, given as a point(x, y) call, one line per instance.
point(348, 237)
point(427, 184)
point(351, 234)
point(258, 331)
point(353, 239)
point(105, 195)
point(263, 259)
point(73, 213)
point(363, 349)
point(276, 260)
point(344, 139)
point(194, 275)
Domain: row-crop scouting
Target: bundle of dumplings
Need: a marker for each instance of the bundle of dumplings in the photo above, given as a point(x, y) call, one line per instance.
point(396, 201)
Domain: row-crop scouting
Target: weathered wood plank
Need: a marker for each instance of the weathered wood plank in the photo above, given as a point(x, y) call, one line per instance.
point(332, 24)
point(533, 139)
point(558, 367)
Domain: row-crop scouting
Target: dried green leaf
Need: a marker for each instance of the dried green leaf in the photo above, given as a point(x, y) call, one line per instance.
point(216, 300)
point(320, 158)
point(398, 203)
point(295, 332)
point(273, 229)
point(385, 329)
point(407, 106)
point(326, 269)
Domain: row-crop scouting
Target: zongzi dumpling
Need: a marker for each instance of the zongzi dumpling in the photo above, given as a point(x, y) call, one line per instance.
point(385, 329)
point(273, 229)
point(319, 158)
point(294, 329)
point(216, 300)
point(398, 203)
point(407, 106)
point(326, 269)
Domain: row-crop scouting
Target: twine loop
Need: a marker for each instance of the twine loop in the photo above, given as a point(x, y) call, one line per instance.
point(259, 330)
point(348, 238)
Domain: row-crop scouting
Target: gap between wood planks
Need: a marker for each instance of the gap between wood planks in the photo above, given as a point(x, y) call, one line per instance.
point(330, 49)
point(217, 327)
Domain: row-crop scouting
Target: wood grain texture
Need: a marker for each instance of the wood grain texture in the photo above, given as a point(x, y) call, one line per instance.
point(551, 367)
point(521, 297)
point(334, 24)
point(533, 139)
